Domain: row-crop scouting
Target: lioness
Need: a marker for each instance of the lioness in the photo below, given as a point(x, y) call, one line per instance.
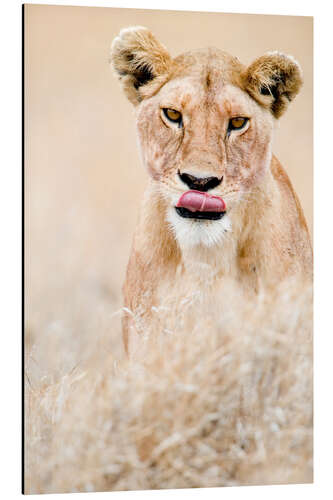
point(218, 204)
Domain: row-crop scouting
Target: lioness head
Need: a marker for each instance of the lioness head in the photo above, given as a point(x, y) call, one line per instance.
point(205, 125)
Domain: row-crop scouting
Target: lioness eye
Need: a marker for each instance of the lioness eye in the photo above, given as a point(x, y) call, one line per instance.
point(173, 115)
point(237, 123)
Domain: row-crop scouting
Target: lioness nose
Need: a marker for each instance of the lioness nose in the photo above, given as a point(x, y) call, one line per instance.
point(200, 183)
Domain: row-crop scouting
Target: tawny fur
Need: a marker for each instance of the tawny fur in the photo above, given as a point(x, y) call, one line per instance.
point(263, 239)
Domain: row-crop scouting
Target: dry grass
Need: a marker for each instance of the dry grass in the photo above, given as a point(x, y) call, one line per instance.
point(228, 402)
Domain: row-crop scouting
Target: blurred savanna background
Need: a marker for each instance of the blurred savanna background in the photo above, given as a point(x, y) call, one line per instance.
point(94, 421)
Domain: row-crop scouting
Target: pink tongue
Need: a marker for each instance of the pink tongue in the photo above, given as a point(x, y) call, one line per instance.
point(197, 201)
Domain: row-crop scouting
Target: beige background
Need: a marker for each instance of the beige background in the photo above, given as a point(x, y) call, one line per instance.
point(84, 180)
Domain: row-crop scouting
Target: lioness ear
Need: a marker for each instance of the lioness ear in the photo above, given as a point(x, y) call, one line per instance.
point(274, 80)
point(137, 58)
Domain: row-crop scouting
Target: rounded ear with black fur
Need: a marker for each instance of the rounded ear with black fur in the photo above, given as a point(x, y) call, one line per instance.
point(137, 58)
point(273, 80)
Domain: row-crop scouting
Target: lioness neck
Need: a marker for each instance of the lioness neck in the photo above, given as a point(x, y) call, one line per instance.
point(262, 235)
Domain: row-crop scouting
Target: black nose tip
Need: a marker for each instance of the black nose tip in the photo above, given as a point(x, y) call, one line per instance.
point(200, 184)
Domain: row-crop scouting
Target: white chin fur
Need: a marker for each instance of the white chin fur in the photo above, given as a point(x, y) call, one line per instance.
point(193, 232)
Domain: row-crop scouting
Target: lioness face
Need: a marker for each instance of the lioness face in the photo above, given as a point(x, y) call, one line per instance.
point(201, 133)
point(205, 125)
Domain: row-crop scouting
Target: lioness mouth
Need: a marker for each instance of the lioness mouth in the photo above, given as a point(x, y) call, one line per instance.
point(188, 214)
point(200, 205)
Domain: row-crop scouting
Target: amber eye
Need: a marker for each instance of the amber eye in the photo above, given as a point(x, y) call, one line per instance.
point(237, 123)
point(173, 115)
